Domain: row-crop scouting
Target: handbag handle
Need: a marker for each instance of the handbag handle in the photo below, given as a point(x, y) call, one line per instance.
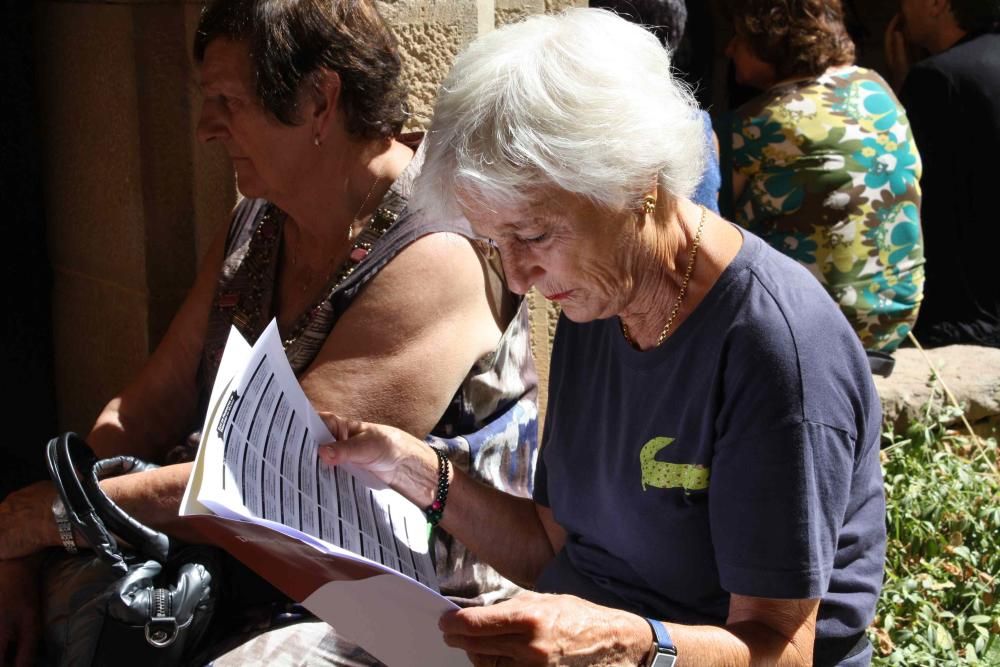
point(91, 510)
point(151, 543)
point(59, 456)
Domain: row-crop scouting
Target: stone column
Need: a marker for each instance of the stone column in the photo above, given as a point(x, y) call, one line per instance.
point(131, 199)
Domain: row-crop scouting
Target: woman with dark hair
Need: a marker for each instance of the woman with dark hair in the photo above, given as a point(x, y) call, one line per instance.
point(825, 167)
point(385, 314)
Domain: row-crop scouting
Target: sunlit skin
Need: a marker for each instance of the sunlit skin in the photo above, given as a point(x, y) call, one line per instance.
point(270, 158)
point(572, 251)
point(599, 263)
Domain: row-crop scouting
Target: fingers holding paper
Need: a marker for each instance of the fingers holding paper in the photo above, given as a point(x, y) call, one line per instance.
point(395, 457)
point(540, 629)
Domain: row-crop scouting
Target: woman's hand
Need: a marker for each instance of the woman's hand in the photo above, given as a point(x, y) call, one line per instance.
point(20, 613)
point(395, 457)
point(537, 629)
point(26, 521)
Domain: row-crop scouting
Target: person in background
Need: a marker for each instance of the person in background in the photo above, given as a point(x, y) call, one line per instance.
point(709, 489)
point(384, 314)
point(952, 99)
point(825, 168)
point(666, 19)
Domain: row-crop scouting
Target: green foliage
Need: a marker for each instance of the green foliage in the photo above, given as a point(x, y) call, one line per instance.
point(939, 603)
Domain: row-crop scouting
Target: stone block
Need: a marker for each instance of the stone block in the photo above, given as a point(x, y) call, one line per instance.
point(430, 34)
point(544, 316)
point(510, 11)
point(92, 172)
point(972, 373)
point(100, 341)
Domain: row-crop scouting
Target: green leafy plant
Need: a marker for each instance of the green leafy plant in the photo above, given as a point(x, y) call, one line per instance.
point(942, 582)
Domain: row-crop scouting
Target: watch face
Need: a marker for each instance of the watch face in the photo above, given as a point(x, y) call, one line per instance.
point(664, 660)
point(59, 510)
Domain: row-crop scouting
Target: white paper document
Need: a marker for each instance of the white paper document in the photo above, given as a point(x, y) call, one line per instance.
point(352, 551)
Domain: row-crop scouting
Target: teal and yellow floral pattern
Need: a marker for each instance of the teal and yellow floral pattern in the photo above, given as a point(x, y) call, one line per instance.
point(832, 180)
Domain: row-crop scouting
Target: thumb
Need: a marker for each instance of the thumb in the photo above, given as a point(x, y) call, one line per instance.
point(341, 428)
point(359, 443)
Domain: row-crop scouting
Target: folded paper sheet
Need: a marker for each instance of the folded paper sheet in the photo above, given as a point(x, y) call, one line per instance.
point(352, 551)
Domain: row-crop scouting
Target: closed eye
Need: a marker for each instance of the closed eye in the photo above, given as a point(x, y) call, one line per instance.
point(535, 239)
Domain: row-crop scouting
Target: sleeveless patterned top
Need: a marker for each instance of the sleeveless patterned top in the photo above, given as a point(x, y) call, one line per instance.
point(490, 428)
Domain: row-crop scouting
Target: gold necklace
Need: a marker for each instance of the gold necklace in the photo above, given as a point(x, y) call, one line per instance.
point(680, 295)
point(350, 227)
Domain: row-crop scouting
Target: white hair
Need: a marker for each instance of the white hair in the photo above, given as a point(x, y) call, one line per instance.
point(583, 101)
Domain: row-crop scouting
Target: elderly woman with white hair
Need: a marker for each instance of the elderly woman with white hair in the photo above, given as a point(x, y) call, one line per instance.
point(709, 488)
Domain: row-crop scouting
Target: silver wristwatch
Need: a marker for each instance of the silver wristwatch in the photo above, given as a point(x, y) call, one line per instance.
point(64, 525)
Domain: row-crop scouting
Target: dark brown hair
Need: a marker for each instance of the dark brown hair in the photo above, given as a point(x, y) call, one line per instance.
point(290, 41)
point(796, 37)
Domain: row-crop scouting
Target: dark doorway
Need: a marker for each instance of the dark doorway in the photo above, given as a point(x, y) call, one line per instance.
point(25, 335)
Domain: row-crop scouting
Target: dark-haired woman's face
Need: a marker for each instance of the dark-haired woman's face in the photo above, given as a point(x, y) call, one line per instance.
point(267, 155)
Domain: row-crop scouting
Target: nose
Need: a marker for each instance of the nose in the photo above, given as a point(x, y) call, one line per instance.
point(211, 122)
point(519, 270)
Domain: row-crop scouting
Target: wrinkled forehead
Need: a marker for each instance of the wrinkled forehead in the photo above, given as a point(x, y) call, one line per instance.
point(500, 219)
point(226, 64)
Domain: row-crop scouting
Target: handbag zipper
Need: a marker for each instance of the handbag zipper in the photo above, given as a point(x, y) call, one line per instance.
point(161, 630)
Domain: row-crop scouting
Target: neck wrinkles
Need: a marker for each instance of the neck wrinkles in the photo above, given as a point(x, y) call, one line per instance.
point(661, 259)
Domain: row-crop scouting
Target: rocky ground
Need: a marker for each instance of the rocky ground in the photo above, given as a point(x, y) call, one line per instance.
point(972, 374)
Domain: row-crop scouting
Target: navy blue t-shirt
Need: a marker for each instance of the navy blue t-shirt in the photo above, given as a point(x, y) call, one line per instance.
point(740, 456)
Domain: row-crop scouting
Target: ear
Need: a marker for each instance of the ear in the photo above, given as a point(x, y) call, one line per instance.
point(325, 98)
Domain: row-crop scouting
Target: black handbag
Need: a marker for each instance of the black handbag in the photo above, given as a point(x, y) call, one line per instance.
point(150, 605)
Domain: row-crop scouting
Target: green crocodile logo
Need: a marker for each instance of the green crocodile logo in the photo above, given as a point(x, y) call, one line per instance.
point(663, 475)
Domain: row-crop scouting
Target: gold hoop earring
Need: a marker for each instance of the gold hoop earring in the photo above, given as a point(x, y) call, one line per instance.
point(316, 141)
point(649, 204)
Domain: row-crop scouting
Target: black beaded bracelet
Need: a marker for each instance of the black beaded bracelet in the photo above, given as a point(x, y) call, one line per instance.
point(436, 509)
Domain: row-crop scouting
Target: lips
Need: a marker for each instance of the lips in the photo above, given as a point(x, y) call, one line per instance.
point(559, 296)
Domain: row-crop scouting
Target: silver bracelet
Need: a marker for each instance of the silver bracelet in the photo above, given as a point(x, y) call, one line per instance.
point(64, 525)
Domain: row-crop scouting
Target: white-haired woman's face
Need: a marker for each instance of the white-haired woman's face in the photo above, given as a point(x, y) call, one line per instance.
point(574, 252)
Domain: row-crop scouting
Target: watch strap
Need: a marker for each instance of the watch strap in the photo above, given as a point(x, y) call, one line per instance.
point(64, 525)
point(662, 653)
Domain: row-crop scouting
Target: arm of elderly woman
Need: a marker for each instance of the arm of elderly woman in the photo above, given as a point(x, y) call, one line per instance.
point(373, 365)
point(405, 345)
point(536, 629)
point(153, 412)
point(519, 540)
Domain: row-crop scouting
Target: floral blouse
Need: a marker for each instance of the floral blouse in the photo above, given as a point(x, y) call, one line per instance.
point(832, 181)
